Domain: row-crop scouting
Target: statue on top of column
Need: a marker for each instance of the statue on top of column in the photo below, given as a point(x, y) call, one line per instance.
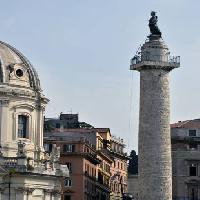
point(153, 25)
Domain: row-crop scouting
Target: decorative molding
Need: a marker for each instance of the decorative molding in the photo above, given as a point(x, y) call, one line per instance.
point(56, 192)
point(4, 102)
point(48, 191)
point(40, 107)
point(24, 106)
point(16, 93)
point(25, 190)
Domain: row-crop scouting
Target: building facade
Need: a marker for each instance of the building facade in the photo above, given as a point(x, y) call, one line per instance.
point(101, 172)
point(186, 159)
point(89, 168)
point(119, 182)
point(27, 171)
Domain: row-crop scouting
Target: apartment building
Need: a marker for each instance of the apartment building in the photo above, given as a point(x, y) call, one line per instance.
point(89, 169)
point(185, 138)
point(95, 158)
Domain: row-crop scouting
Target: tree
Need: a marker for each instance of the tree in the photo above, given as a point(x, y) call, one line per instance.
point(133, 163)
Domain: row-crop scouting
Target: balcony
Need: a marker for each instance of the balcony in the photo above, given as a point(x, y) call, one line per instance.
point(19, 164)
point(87, 155)
point(160, 61)
point(92, 158)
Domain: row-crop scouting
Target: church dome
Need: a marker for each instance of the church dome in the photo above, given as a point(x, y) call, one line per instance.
point(16, 70)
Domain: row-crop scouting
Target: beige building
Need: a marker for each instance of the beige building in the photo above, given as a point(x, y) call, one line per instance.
point(185, 137)
point(26, 171)
point(119, 179)
point(186, 159)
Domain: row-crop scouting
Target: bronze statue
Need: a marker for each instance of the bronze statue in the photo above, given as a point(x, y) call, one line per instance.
point(153, 25)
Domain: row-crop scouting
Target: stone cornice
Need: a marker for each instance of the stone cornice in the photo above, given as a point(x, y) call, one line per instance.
point(23, 93)
point(16, 93)
point(154, 65)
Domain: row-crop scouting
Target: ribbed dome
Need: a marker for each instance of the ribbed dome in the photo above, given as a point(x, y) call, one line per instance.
point(16, 70)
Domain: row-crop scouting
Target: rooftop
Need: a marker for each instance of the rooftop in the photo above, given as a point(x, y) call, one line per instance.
point(194, 123)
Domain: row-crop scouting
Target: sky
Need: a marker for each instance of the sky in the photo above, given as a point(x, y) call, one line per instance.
point(81, 50)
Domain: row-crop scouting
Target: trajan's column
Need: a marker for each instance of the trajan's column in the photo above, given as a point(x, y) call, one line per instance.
point(154, 64)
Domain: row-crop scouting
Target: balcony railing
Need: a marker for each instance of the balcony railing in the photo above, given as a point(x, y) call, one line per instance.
point(138, 59)
point(98, 182)
point(12, 163)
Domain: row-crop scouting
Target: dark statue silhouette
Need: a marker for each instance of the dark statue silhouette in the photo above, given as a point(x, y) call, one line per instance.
point(153, 25)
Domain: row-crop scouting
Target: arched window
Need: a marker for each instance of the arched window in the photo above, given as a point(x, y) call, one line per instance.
point(22, 126)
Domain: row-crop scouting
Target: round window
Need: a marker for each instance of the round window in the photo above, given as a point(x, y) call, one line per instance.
point(19, 73)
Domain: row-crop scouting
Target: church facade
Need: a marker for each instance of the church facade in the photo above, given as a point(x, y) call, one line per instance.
point(26, 170)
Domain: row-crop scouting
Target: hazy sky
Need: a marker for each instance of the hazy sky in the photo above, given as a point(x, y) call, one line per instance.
point(81, 50)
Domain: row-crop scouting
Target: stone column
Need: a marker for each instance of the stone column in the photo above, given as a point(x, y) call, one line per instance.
point(155, 180)
point(155, 170)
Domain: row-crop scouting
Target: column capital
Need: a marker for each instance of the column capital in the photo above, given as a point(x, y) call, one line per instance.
point(24, 190)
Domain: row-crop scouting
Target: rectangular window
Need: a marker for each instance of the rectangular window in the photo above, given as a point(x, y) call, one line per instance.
point(67, 197)
point(69, 166)
point(193, 146)
point(69, 148)
point(67, 182)
point(48, 147)
point(22, 126)
point(193, 170)
point(58, 125)
point(192, 133)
